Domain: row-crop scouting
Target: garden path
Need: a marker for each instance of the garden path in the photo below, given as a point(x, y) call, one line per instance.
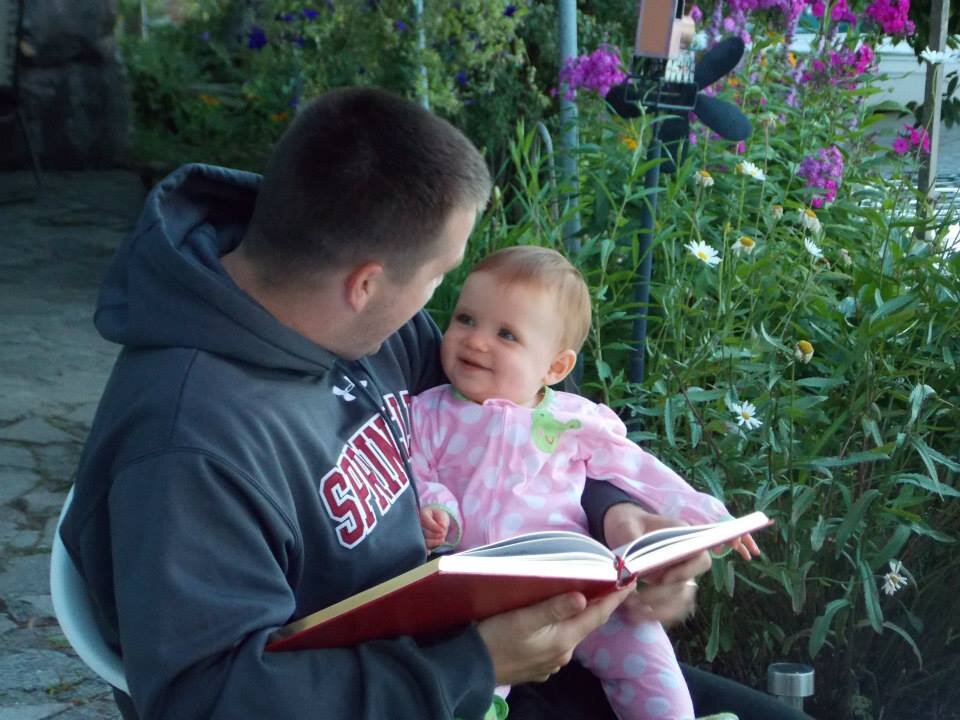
point(55, 247)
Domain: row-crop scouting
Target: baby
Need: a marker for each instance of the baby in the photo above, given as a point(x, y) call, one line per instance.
point(498, 452)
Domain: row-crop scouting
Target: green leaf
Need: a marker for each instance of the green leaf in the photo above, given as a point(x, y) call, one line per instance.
point(776, 343)
point(854, 517)
point(821, 625)
point(713, 643)
point(927, 483)
point(930, 456)
point(892, 547)
point(668, 422)
point(854, 459)
point(907, 638)
point(802, 503)
point(871, 599)
point(818, 534)
point(919, 393)
point(821, 383)
point(891, 306)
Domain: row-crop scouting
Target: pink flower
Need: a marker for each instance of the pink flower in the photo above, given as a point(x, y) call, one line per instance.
point(599, 71)
point(696, 14)
point(901, 145)
point(891, 16)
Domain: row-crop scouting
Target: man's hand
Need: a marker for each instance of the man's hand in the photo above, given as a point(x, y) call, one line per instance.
point(532, 643)
point(670, 598)
point(435, 523)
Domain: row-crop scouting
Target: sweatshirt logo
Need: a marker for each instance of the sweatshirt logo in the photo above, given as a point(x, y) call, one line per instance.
point(369, 475)
point(345, 392)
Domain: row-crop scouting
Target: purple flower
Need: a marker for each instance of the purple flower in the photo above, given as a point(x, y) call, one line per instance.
point(461, 78)
point(400, 25)
point(256, 37)
point(891, 16)
point(287, 17)
point(823, 172)
point(509, 11)
point(310, 14)
point(599, 71)
point(696, 14)
point(901, 145)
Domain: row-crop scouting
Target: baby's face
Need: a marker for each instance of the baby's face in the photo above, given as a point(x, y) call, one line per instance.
point(501, 341)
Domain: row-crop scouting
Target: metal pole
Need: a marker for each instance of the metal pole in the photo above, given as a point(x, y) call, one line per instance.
point(568, 124)
point(424, 88)
point(932, 98)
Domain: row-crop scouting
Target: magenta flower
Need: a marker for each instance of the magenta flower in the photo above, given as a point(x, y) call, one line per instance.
point(901, 145)
point(599, 71)
point(696, 14)
point(910, 138)
point(839, 13)
point(891, 16)
point(823, 172)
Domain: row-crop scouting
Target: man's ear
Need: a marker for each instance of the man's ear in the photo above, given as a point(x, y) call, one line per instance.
point(561, 366)
point(362, 284)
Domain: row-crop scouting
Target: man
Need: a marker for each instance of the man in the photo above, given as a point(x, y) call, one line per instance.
point(248, 461)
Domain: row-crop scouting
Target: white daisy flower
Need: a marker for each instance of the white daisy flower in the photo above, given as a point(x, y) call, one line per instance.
point(803, 351)
point(744, 244)
point(704, 179)
point(895, 580)
point(934, 57)
point(703, 252)
point(845, 257)
point(813, 248)
point(808, 218)
point(746, 414)
point(776, 211)
point(746, 167)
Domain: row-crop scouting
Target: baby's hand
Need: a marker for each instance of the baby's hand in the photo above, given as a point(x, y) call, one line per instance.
point(435, 523)
point(745, 546)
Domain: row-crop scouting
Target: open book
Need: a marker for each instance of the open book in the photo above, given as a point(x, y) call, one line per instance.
point(457, 589)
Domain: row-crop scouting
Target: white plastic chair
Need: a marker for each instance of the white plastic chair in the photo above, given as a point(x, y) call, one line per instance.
point(75, 613)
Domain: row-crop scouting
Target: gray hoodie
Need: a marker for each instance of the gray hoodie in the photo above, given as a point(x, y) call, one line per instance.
point(238, 476)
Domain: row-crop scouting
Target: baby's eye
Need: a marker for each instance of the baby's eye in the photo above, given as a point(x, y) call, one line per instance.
point(507, 335)
point(464, 319)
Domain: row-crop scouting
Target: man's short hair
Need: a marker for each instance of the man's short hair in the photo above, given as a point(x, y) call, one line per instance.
point(547, 270)
point(360, 175)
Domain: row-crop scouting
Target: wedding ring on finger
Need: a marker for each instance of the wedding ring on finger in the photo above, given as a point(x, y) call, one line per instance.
point(692, 584)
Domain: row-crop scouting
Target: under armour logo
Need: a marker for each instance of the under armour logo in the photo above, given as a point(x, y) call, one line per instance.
point(345, 392)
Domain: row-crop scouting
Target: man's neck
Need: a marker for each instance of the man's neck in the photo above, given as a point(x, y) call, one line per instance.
point(311, 313)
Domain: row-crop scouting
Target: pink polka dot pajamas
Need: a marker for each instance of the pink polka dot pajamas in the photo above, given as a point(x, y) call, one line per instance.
point(499, 470)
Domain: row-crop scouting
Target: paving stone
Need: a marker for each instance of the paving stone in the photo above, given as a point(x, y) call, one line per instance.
point(43, 502)
point(17, 482)
point(15, 456)
point(34, 610)
point(33, 712)
point(6, 624)
point(33, 669)
point(34, 430)
point(25, 575)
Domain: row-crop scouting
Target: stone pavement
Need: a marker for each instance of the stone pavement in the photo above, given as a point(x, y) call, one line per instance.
point(53, 365)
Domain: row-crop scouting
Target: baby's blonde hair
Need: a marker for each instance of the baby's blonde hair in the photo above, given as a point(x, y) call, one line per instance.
point(548, 270)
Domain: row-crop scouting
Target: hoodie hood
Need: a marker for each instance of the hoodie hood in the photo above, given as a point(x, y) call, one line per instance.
point(166, 287)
